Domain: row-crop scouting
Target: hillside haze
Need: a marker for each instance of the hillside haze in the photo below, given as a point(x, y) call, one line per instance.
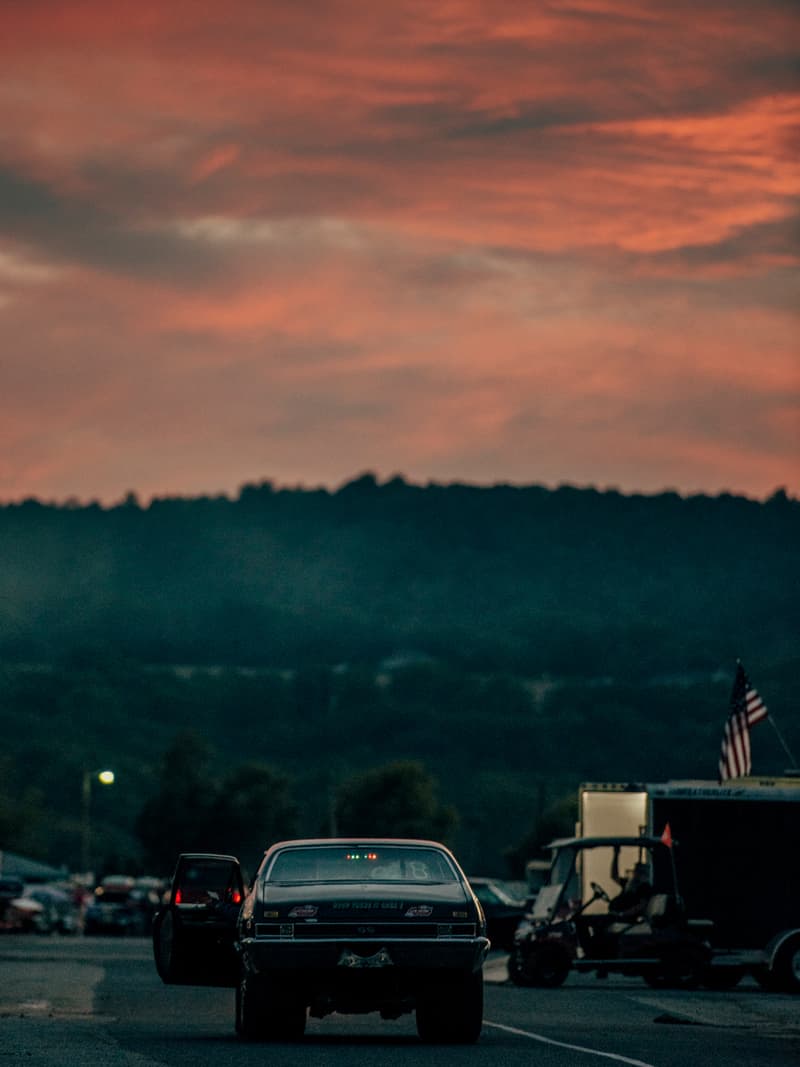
point(513, 640)
point(564, 581)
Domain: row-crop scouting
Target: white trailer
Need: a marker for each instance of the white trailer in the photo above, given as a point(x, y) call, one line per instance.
point(736, 848)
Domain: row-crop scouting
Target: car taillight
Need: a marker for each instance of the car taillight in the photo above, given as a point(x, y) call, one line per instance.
point(178, 897)
point(236, 897)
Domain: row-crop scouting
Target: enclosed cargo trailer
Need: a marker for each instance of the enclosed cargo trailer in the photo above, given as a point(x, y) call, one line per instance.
point(736, 849)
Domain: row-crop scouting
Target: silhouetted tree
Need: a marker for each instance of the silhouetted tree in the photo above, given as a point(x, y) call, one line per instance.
point(240, 813)
point(398, 800)
point(178, 817)
point(255, 808)
point(557, 820)
point(22, 816)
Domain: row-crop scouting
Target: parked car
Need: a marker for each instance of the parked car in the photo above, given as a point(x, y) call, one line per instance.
point(18, 914)
point(503, 911)
point(115, 909)
point(10, 890)
point(146, 894)
point(59, 915)
point(331, 925)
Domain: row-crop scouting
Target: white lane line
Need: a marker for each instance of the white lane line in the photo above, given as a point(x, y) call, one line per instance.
point(563, 1044)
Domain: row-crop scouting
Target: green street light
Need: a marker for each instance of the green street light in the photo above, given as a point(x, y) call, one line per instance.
point(105, 777)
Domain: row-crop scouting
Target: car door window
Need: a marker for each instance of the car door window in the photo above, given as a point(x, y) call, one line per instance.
point(203, 882)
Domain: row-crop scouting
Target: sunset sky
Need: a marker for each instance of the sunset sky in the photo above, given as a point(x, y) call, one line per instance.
point(498, 241)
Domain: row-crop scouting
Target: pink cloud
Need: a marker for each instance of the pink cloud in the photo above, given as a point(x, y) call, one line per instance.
point(492, 240)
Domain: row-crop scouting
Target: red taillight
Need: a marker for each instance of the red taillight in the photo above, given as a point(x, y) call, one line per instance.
point(178, 897)
point(236, 897)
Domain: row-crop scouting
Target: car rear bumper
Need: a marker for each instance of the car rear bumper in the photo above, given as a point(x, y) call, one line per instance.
point(260, 955)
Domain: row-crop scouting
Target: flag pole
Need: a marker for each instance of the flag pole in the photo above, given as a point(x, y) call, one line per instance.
point(786, 748)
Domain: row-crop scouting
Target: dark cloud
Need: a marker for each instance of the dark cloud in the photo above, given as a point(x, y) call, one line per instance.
point(778, 240)
point(530, 118)
point(79, 231)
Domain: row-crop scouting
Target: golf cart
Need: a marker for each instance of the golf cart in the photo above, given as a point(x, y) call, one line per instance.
point(611, 904)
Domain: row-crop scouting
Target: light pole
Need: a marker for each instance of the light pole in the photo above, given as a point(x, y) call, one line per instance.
point(106, 778)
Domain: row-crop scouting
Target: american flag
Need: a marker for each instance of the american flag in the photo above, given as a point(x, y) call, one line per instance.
point(747, 709)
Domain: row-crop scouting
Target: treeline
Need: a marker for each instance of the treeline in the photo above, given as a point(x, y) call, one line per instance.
point(502, 751)
point(512, 642)
point(567, 582)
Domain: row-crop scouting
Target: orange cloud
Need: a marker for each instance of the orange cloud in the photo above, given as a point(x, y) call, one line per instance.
point(494, 240)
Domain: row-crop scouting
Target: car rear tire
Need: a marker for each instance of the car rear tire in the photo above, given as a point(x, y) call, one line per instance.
point(264, 1013)
point(164, 937)
point(250, 1009)
point(286, 1018)
point(454, 1014)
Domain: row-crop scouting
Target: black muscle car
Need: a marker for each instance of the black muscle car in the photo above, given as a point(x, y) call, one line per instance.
point(331, 924)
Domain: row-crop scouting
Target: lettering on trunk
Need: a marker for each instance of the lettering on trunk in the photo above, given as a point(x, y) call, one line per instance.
point(367, 905)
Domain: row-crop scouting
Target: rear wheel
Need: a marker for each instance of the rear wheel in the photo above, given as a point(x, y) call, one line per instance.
point(287, 1018)
point(250, 1009)
point(265, 1013)
point(763, 975)
point(164, 944)
point(680, 969)
point(453, 1014)
point(545, 965)
point(785, 970)
point(721, 978)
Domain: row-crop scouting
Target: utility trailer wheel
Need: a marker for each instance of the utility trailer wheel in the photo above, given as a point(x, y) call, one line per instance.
point(785, 969)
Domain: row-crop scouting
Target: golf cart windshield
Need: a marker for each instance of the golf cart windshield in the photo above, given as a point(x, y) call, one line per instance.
point(579, 864)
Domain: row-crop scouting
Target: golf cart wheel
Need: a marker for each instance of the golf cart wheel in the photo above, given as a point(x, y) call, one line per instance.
point(722, 978)
point(545, 966)
point(680, 969)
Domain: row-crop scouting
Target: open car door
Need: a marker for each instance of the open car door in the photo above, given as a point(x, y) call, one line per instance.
point(194, 933)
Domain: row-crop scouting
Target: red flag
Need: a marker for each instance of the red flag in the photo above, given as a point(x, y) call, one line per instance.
point(666, 837)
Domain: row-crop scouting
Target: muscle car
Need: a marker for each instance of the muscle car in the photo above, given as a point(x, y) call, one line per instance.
point(330, 925)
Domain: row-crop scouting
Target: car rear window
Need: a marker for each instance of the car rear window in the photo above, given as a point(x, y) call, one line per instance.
point(360, 864)
point(198, 879)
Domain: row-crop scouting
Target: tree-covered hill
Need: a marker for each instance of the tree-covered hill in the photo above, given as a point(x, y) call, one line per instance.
point(567, 581)
point(513, 641)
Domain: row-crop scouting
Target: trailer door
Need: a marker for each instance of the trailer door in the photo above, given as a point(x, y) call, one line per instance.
point(609, 813)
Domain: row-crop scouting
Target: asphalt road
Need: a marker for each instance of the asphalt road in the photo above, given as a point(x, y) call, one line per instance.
point(97, 1002)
